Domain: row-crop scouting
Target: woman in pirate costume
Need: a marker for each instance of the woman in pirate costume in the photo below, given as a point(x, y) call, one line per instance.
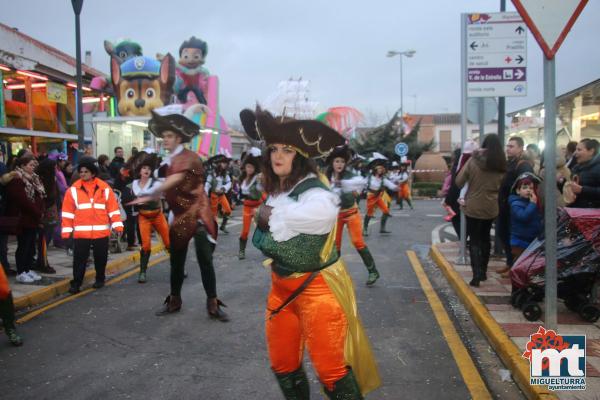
point(311, 301)
point(348, 186)
point(190, 216)
point(251, 193)
point(150, 215)
point(403, 181)
point(376, 184)
point(218, 184)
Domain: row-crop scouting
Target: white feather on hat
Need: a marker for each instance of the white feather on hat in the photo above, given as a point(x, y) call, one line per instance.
point(254, 151)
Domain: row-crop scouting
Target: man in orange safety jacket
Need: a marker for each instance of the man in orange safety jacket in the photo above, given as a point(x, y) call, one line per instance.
point(90, 210)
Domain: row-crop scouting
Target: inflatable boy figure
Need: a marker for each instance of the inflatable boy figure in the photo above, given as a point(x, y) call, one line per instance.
point(192, 77)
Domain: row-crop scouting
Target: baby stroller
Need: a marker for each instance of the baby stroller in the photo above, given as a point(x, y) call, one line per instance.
point(115, 244)
point(578, 266)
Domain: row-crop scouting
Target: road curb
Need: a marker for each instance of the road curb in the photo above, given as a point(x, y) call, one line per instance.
point(499, 340)
point(61, 287)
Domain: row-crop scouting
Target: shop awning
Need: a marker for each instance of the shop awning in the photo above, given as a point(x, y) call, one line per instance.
point(26, 132)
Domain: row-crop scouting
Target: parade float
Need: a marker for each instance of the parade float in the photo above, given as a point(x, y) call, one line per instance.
point(141, 83)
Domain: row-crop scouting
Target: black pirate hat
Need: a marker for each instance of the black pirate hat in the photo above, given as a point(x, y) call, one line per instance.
point(340, 151)
point(217, 159)
point(177, 123)
point(377, 160)
point(310, 138)
point(252, 156)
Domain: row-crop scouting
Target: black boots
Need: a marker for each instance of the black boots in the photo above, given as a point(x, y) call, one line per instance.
point(366, 225)
point(476, 264)
point(345, 389)
point(213, 307)
point(171, 305)
point(223, 227)
point(242, 253)
point(294, 385)
point(144, 258)
point(384, 219)
point(7, 313)
point(367, 258)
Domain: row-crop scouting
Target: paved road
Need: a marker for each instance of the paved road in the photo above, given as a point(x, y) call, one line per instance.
point(110, 345)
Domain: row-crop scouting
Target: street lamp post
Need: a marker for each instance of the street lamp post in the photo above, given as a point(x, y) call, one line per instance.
point(77, 5)
point(407, 53)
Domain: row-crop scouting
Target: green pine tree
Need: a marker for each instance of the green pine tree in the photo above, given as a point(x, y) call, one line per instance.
point(384, 138)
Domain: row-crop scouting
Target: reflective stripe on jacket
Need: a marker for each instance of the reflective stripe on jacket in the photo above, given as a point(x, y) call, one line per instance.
point(90, 215)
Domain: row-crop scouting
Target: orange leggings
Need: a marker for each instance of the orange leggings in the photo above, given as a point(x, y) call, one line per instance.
point(352, 219)
point(4, 288)
point(376, 200)
point(249, 210)
point(404, 191)
point(215, 200)
point(316, 318)
point(149, 219)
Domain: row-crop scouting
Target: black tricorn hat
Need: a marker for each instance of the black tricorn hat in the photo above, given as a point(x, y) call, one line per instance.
point(311, 138)
point(377, 160)
point(248, 119)
point(340, 151)
point(218, 158)
point(177, 123)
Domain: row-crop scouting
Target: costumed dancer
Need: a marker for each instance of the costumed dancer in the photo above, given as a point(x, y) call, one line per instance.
point(403, 182)
point(218, 184)
point(150, 215)
point(251, 192)
point(348, 186)
point(7, 311)
point(311, 301)
point(376, 184)
point(191, 215)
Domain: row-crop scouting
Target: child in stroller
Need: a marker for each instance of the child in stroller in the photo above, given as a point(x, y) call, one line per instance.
point(578, 266)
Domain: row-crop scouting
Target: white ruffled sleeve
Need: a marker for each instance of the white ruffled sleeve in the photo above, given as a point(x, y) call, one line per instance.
point(315, 213)
point(354, 184)
point(389, 184)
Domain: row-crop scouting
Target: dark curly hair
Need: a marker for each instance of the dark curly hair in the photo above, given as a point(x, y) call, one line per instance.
point(301, 167)
point(194, 43)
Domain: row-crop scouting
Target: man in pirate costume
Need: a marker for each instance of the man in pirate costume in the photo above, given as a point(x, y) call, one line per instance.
point(218, 184)
point(251, 193)
point(376, 184)
point(311, 302)
point(348, 186)
point(191, 216)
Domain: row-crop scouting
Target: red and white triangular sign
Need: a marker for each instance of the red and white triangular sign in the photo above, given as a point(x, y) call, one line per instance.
point(549, 20)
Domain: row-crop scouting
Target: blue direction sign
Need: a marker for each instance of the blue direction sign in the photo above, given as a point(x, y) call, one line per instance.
point(401, 149)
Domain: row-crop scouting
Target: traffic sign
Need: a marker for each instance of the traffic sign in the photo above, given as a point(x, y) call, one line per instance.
point(550, 20)
point(401, 149)
point(496, 55)
point(490, 110)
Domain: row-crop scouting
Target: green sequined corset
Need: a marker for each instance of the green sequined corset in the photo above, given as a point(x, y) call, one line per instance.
point(302, 253)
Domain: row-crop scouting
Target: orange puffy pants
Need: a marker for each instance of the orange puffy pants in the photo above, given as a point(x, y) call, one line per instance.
point(314, 318)
point(153, 219)
point(350, 217)
point(376, 200)
point(249, 210)
point(219, 199)
point(404, 191)
point(4, 288)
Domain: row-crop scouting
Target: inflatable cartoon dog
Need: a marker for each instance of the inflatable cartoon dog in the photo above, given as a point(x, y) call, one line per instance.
point(142, 83)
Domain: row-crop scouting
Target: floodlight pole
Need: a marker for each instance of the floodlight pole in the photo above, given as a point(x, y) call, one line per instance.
point(77, 5)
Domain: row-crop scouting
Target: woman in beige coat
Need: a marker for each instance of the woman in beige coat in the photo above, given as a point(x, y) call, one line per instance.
point(483, 172)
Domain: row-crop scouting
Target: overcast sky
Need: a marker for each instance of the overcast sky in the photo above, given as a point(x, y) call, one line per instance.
point(339, 46)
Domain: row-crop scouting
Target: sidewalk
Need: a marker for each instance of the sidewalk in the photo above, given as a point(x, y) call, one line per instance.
point(54, 285)
point(507, 329)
